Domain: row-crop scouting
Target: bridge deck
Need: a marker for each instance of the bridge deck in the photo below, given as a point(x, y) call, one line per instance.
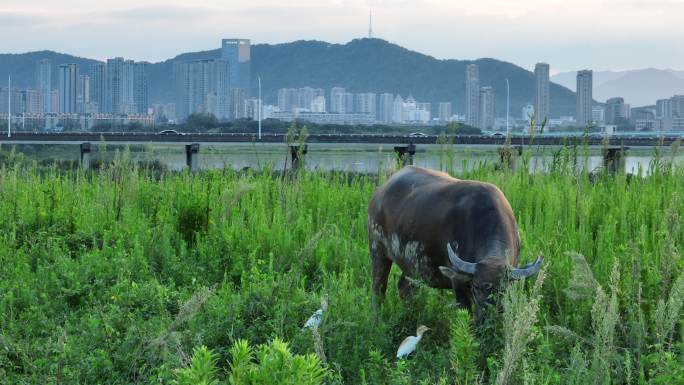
point(154, 138)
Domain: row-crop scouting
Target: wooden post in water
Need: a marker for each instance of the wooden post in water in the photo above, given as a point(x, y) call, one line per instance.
point(85, 155)
point(405, 154)
point(191, 156)
point(297, 156)
point(614, 159)
point(508, 156)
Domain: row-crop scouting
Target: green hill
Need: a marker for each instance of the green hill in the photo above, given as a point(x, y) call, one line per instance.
point(362, 65)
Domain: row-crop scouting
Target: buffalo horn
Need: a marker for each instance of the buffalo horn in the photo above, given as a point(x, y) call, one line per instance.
point(458, 263)
point(527, 270)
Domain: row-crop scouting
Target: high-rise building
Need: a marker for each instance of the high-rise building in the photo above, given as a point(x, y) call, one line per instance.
point(615, 111)
point(237, 104)
point(542, 105)
point(98, 82)
point(287, 99)
point(487, 108)
point(68, 87)
point(472, 95)
point(385, 108)
point(318, 104)
point(44, 83)
point(444, 111)
point(202, 86)
point(337, 100)
point(398, 110)
point(664, 108)
point(677, 105)
point(366, 103)
point(348, 103)
point(54, 100)
point(114, 85)
point(141, 85)
point(126, 86)
point(305, 97)
point(584, 97)
point(239, 55)
point(83, 94)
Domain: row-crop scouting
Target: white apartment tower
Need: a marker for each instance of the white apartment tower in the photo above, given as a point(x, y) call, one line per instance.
point(472, 95)
point(487, 108)
point(202, 86)
point(68, 86)
point(44, 83)
point(584, 97)
point(542, 105)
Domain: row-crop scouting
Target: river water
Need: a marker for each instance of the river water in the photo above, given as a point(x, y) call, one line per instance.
point(349, 157)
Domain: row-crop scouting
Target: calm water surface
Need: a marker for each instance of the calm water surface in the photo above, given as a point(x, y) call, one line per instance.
point(349, 157)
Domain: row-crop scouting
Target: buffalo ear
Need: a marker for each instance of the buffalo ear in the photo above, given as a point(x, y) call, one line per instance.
point(454, 275)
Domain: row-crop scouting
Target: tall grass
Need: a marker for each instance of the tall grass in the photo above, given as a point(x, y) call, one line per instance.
point(119, 275)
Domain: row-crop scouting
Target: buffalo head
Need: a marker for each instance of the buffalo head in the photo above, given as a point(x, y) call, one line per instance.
point(484, 277)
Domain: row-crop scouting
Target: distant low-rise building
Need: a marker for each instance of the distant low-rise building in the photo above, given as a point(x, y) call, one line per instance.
point(16, 103)
point(32, 101)
point(326, 118)
point(444, 112)
point(615, 111)
point(527, 112)
point(598, 114)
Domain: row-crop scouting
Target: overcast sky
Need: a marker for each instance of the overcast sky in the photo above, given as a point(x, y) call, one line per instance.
point(568, 34)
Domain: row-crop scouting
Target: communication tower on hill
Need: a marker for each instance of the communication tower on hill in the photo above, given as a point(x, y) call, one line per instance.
point(370, 24)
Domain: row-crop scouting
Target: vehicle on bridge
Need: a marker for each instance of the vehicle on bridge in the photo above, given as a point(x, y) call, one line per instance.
point(170, 132)
point(417, 135)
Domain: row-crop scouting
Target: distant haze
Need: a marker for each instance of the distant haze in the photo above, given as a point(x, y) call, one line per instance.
point(568, 34)
point(638, 87)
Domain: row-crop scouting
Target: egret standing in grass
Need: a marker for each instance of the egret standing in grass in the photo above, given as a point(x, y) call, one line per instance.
point(408, 345)
point(315, 320)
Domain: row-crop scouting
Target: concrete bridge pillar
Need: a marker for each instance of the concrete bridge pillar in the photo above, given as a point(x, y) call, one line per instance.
point(192, 156)
point(405, 154)
point(85, 155)
point(297, 156)
point(614, 159)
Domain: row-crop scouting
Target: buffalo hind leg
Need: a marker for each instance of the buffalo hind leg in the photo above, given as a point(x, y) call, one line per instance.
point(380, 269)
point(406, 288)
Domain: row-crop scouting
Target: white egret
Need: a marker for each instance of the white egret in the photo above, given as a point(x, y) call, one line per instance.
point(317, 318)
point(408, 345)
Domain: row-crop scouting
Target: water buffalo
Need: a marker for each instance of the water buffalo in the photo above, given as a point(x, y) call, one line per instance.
point(449, 233)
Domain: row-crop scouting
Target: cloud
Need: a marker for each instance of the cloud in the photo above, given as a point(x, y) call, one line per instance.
point(566, 33)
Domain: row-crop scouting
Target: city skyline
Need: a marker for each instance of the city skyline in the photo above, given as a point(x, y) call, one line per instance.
point(579, 37)
point(221, 87)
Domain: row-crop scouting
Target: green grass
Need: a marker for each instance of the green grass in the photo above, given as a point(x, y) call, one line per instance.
point(118, 276)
